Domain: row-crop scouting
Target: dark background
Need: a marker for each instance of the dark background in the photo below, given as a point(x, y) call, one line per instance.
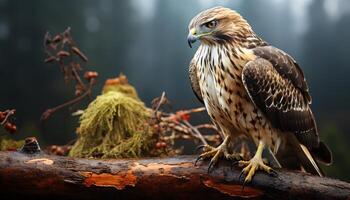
point(146, 40)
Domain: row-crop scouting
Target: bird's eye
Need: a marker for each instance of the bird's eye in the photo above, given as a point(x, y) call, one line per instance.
point(211, 24)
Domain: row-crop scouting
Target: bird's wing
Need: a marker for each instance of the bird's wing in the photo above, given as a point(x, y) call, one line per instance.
point(194, 80)
point(276, 85)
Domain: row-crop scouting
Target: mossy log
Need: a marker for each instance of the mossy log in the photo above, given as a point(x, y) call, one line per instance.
point(31, 173)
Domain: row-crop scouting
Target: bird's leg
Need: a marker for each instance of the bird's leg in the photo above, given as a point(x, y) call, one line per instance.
point(216, 153)
point(254, 164)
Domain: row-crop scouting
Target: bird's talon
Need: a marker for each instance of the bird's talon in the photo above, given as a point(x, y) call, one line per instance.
point(206, 148)
point(240, 175)
point(208, 151)
point(195, 162)
point(211, 164)
point(252, 166)
point(200, 147)
point(215, 153)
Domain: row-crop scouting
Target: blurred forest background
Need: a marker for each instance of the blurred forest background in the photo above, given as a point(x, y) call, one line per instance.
point(146, 40)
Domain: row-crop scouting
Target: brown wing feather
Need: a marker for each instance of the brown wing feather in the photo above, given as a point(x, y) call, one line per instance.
point(194, 81)
point(279, 89)
point(286, 66)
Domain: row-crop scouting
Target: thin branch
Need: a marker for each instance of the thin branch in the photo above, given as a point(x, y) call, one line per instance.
point(78, 79)
point(8, 114)
point(62, 50)
point(172, 126)
point(50, 111)
point(160, 103)
point(5, 120)
point(206, 126)
point(195, 130)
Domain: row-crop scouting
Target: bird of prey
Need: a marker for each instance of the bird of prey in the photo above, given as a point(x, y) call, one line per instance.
point(254, 90)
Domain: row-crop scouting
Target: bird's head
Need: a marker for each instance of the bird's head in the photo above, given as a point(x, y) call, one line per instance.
point(217, 25)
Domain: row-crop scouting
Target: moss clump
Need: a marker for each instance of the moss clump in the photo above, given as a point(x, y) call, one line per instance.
point(114, 125)
point(120, 84)
point(10, 144)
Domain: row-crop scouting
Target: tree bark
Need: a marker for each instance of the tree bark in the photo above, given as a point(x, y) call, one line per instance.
point(46, 176)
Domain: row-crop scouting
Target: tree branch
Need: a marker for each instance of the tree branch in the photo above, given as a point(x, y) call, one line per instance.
point(41, 175)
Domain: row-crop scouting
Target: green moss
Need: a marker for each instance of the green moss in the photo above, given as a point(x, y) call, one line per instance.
point(114, 126)
point(120, 84)
point(7, 143)
point(125, 89)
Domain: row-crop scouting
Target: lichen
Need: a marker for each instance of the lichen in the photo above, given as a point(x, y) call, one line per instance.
point(120, 84)
point(9, 144)
point(114, 125)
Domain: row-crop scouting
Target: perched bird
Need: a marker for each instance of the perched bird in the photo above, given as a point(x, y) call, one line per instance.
point(254, 90)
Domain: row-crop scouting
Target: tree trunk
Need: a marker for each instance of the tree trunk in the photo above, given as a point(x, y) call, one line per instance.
point(31, 173)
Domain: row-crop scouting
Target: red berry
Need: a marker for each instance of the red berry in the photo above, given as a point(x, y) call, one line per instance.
point(57, 39)
point(90, 74)
point(63, 54)
point(160, 145)
point(2, 116)
point(10, 127)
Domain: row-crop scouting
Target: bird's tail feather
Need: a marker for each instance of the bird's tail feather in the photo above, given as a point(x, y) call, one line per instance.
point(322, 154)
point(313, 162)
point(293, 155)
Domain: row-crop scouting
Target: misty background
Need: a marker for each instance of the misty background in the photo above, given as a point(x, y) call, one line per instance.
point(146, 40)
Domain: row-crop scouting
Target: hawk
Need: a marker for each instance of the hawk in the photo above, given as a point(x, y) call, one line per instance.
point(254, 90)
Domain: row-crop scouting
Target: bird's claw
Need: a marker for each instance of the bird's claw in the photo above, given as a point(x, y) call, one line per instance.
point(206, 149)
point(240, 175)
point(195, 162)
point(215, 154)
point(200, 147)
point(211, 164)
point(251, 167)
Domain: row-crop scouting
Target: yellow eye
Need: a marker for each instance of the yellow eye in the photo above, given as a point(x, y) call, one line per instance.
point(211, 24)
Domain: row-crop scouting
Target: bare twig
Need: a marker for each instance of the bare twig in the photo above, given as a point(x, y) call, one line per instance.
point(206, 126)
point(195, 130)
point(50, 111)
point(5, 122)
point(172, 126)
point(160, 102)
point(62, 49)
point(8, 113)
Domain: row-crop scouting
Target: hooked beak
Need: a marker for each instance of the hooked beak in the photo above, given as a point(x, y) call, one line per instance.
point(192, 37)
